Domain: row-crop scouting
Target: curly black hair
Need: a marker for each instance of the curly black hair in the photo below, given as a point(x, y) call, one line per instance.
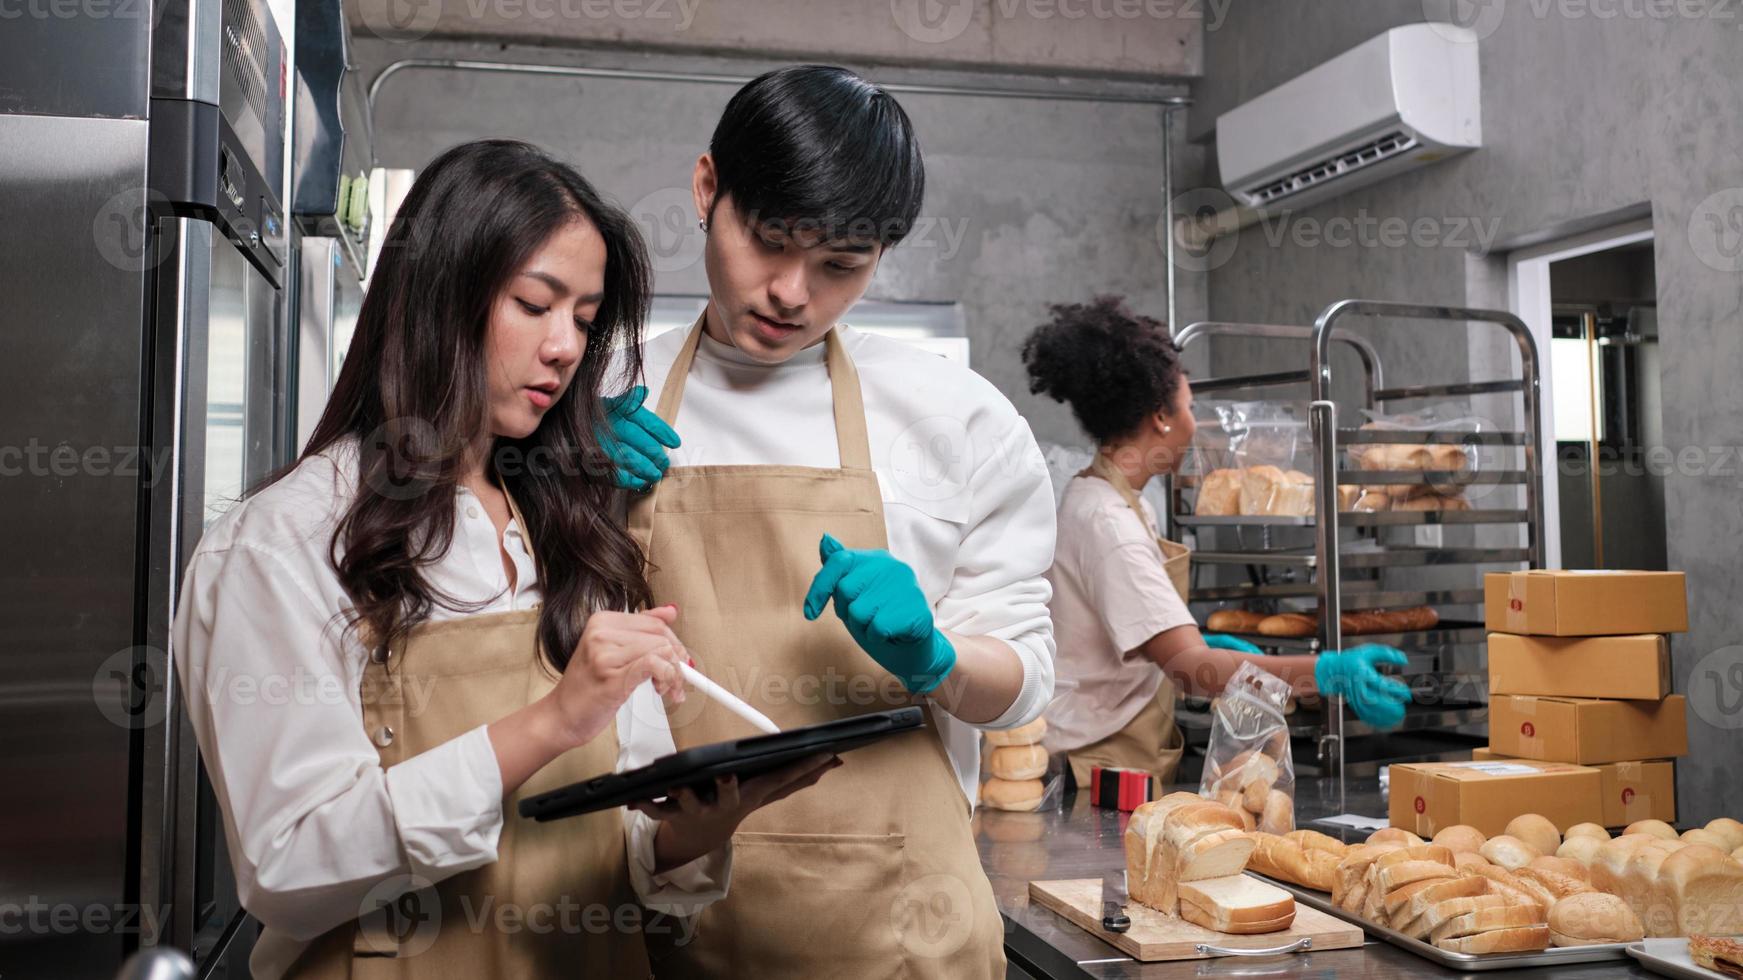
point(1112, 366)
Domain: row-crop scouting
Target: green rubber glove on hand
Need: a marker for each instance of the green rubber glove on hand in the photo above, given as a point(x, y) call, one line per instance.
point(632, 438)
point(879, 599)
point(1376, 699)
point(1223, 641)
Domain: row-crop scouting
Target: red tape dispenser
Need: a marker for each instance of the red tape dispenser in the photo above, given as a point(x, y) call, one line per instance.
point(1120, 789)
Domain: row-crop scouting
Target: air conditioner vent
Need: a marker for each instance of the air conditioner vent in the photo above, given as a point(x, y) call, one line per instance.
point(1396, 143)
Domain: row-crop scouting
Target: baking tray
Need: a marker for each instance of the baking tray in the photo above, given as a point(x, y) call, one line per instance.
point(1467, 962)
point(1670, 957)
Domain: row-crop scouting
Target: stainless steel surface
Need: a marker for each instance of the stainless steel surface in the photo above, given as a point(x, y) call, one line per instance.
point(72, 695)
point(1462, 962)
point(157, 964)
point(1403, 556)
point(1322, 423)
point(67, 59)
point(1384, 518)
point(186, 50)
point(1113, 902)
point(1083, 841)
point(1168, 229)
point(1300, 945)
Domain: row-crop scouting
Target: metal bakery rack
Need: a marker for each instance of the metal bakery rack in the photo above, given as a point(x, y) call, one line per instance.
point(1348, 561)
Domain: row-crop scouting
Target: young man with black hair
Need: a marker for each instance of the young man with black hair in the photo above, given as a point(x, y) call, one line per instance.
point(849, 524)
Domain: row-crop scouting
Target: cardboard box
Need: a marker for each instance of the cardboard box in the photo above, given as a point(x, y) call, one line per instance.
point(1580, 667)
point(1426, 797)
point(1587, 731)
point(1630, 790)
point(1539, 602)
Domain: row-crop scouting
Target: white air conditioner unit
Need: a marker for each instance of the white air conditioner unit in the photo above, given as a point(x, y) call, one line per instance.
point(1401, 100)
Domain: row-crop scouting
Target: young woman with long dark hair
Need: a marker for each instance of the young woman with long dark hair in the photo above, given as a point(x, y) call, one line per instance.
point(432, 614)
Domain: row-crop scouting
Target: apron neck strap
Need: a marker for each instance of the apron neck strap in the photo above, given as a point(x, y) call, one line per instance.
point(1102, 467)
point(526, 533)
point(850, 430)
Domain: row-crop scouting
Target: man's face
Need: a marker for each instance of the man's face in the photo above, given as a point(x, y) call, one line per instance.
point(776, 287)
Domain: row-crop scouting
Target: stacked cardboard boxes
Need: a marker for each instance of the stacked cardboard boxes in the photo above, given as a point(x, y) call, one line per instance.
point(1579, 672)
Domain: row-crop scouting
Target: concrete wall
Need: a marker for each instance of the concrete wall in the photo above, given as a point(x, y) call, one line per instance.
point(1027, 202)
point(1142, 38)
point(1589, 109)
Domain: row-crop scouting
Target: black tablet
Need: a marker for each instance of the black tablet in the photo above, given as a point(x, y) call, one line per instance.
point(699, 766)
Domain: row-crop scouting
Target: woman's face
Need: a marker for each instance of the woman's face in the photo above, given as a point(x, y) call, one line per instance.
point(538, 327)
point(1181, 427)
point(776, 290)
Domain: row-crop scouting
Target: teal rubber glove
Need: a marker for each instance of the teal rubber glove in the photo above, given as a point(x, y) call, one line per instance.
point(1223, 641)
point(635, 440)
point(1376, 699)
point(879, 599)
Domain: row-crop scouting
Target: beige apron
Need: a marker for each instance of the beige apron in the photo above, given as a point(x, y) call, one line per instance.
point(557, 901)
point(873, 872)
point(1150, 742)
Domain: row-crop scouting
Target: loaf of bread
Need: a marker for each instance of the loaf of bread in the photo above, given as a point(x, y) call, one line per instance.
point(1582, 849)
point(1018, 762)
point(1220, 494)
point(1431, 918)
point(1593, 917)
point(1181, 837)
point(1704, 890)
point(1460, 838)
point(1260, 486)
point(1524, 939)
point(1289, 625)
point(1294, 497)
point(1233, 621)
point(1730, 830)
point(1562, 865)
point(1143, 839)
point(1030, 734)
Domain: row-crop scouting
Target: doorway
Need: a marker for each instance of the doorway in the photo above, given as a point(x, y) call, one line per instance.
point(1592, 304)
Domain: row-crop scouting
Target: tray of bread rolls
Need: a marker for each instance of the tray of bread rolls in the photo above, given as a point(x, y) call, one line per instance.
point(1529, 896)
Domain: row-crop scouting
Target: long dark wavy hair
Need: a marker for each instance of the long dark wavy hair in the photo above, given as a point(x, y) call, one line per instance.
point(413, 393)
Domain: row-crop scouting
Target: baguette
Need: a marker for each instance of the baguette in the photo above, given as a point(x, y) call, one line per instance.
point(1313, 840)
point(1289, 625)
point(1524, 939)
point(1717, 954)
point(1487, 920)
point(1284, 859)
point(1593, 917)
point(1233, 621)
point(1389, 620)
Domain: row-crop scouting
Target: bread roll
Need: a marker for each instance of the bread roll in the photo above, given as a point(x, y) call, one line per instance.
point(1524, 939)
point(1536, 830)
point(1612, 860)
point(1590, 918)
point(1591, 830)
point(1395, 456)
point(1707, 837)
point(1017, 762)
point(1467, 858)
point(1289, 624)
point(1460, 838)
point(1233, 621)
point(1657, 828)
point(1730, 830)
point(1372, 501)
point(1348, 494)
point(1396, 835)
point(1444, 456)
point(1562, 865)
point(1705, 888)
point(1278, 816)
point(1255, 778)
point(1582, 849)
point(1003, 794)
point(1509, 852)
point(1220, 494)
point(1249, 822)
point(1030, 734)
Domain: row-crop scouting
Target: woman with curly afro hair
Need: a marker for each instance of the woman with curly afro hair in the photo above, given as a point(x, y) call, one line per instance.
point(1118, 609)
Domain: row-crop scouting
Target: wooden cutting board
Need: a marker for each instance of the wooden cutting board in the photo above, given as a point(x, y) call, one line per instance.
point(1155, 936)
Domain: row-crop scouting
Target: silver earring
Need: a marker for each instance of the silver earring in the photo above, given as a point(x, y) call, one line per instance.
point(702, 223)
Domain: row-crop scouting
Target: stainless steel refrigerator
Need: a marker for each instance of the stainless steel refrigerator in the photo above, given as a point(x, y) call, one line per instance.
point(143, 362)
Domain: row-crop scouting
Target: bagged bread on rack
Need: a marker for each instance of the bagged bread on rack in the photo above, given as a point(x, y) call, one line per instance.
point(1247, 764)
point(1449, 466)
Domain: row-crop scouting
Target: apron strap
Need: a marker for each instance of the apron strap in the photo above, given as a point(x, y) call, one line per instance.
point(1176, 557)
point(1100, 466)
point(854, 445)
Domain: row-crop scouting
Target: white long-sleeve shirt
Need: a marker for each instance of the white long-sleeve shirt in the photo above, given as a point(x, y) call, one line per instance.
point(968, 502)
point(272, 686)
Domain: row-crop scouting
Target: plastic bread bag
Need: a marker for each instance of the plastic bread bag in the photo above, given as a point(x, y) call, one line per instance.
point(1265, 447)
point(1247, 764)
point(1461, 460)
point(1019, 771)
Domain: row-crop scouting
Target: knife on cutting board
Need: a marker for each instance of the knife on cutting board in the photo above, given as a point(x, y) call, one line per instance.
point(1113, 902)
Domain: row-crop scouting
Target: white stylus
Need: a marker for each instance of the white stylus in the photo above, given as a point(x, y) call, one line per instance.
point(727, 699)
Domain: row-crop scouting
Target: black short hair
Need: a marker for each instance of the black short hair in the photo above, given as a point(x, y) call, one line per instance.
point(819, 146)
point(1112, 366)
